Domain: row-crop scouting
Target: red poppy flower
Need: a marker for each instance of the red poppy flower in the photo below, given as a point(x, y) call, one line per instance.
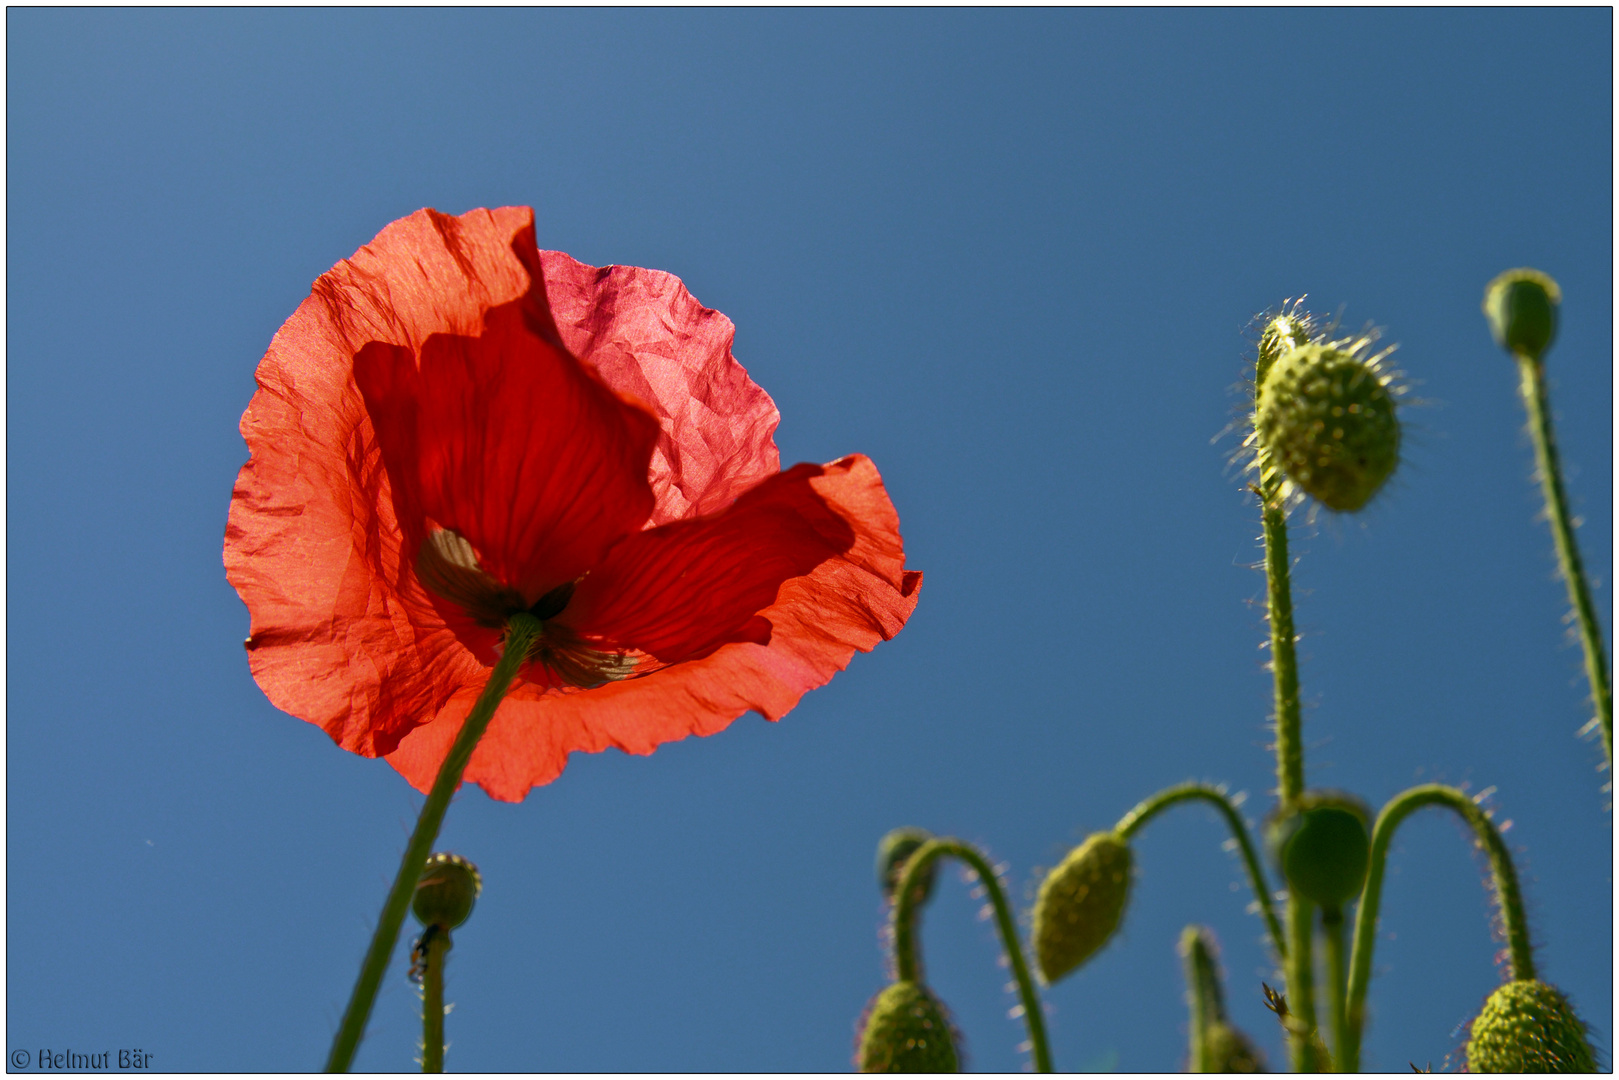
point(455, 427)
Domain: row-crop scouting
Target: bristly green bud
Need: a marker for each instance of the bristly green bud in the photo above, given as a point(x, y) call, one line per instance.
point(893, 850)
point(1325, 417)
point(1529, 1027)
point(1324, 850)
point(448, 887)
point(1081, 904)
point(1521, 306)
point(1230, 1051)
point(907, 1030)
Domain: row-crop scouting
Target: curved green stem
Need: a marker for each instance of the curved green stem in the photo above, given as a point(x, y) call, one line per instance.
point(1336, 931)
point(1532, 385)
point(905, 908)
point(521, 631)
point(437, 949)
point(1152, 806)
point(1505, 879)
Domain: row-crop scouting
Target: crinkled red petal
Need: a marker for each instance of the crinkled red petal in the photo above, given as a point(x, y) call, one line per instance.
point(680, 591)
point(342, 634)
point(509, 441)
point(846, 604)
point(648, 337)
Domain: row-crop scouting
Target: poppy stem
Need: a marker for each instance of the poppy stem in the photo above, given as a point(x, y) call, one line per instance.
point(521, 630)
point(438, 948)
point(1152, 806)
point(906, 903)
point(1504, 878)
point(1532, 385)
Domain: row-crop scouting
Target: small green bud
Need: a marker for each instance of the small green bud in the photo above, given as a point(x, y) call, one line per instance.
point(1324, 852)
point(893, 851)
point(1080, 904)
point(446, 891)
point(1230, 1051)
point(906, 1029)
point(1521, 306)
point(1529, 1027)
point(1325, 417)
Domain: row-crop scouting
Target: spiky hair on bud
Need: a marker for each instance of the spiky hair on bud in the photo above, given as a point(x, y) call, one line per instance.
point(1324, 421)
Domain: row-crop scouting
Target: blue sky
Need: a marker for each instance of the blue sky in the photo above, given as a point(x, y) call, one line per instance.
point(1011, 255)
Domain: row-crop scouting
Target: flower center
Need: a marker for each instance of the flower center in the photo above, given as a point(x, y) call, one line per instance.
point(449, 568)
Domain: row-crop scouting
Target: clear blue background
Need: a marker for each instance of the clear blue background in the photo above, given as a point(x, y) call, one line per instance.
point(1009, 254)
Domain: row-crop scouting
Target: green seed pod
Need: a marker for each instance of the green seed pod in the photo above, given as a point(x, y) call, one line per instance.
point(1521, 306)
point(892, 852)
point(1529, 1027)
point(1325, 417)
point(1080, 904)
point(448, 887)
point(1230, 1051)
point(906, 1029)
point(1324, 852)
point(1282, 334)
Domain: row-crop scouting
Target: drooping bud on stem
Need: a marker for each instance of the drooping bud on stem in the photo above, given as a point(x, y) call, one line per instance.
point(1527, 1026)
point(893, 850)
point(906, 1029)
point(1080, 904)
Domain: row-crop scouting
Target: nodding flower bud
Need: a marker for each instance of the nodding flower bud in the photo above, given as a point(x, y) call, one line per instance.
point(446, 891)
point(1521, 306)
point(893, 851)
point(1325, 416)
point(906, 1029)
point(1324, 851)
point(1527, 1026)
point(1080, 904)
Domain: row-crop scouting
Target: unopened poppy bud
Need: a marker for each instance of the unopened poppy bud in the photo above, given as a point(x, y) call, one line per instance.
point(1324, 852)
point(446, 891)
point(1281, 335)
point(906, 1029)
point(1326, 418)
point(1521, 306)
point(1527, 1026)
point(1230, 1051)
point(893, 851)
point(1080, 904)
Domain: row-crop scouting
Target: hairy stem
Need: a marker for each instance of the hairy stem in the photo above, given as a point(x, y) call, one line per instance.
point(520, 634)
point(438, 948)
point(905, 908)
point(1504, 879)
point(1152, 806)
point(1532, 385)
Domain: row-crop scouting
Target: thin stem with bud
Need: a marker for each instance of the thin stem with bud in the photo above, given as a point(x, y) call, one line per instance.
point(906, 903)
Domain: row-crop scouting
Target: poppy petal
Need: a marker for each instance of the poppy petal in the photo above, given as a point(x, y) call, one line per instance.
point(847, 603)
point(682, 590)
point(648, 337)
point(511, 443)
